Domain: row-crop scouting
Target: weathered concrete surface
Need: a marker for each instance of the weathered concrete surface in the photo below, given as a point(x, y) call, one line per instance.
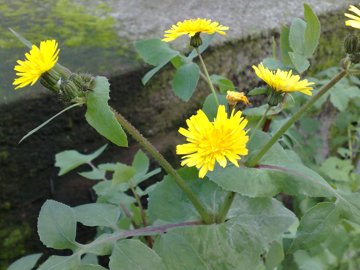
point(27, 169)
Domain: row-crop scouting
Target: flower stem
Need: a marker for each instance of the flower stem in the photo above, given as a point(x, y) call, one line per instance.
point(206, 217)
point(225, 207)
point(259, 124)
point(295, 117)
point(207, 77)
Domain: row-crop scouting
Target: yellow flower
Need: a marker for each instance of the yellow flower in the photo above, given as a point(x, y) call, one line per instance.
point(192, 27)
point(283, 81)
point(234, 98)
point(208, 142)
point(38, 61)
point(355, 19)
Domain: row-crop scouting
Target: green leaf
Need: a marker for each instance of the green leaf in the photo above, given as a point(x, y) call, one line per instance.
point(305, 261)
point(108, 193)
point(275, 256)
point(97, 214)
point(23, 40)
point(273, 64)
point(258, 91)
point(101, 246)
point(123, 173)
point(337, 169)
point(141, 163)
point(71, 159)
point(285, 45)
point(60, 263)
point(185, 81)
point(91, 267)
point(167, 203)
point(178, 61)
point(312, 31)
point(95, 174)
point(154, 51)
point(236, 244)
point(100, 116)
point(210, 107)
point(299, 61)
point(297, 36)
point(223, 83)
point(57, 225)
point(277, 172)
point(151, 73)
point(130, 254)
point(315, 226)
point(25, 263)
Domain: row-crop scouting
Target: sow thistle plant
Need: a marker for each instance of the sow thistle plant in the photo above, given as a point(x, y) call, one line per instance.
point(224, 208)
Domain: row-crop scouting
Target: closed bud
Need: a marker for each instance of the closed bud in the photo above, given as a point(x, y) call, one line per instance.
point(351, 44)
point(196, 40)
point(275, 98)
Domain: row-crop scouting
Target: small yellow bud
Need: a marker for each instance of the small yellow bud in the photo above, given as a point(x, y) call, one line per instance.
point(233, 98)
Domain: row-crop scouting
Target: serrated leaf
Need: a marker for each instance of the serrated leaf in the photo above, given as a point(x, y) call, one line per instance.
point(71, 159)
point(312, 31)
point(97, 214)
point(185, 81)
point(297, 36)
point(57, 225)
point(141, 163)
point(130, 254)
point(25, 263)
point(300, 62)
point(154, 51)
point(100, 116)
point(210, 107)
point(123, 173)
point(223, 83)
point(285, 45)
point(315, 226)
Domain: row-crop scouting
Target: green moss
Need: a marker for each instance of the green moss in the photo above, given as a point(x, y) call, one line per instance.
point(13, 244)
point(4, 155)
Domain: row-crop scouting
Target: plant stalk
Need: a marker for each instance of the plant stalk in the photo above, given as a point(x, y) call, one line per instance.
point(260, 123)
point(221, 217)
point(207, 77)
point(295, 117)
point(206, 217)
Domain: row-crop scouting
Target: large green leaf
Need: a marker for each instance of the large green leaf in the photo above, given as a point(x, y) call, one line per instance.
point(100, 116)
point(97, 214)
point(185, 80)
point(154, 51)
point(236, 244)
point(71, 159)
point(60, 263)
point(299, 61)
point(297, 36)
point(312, 31)
point(167, 202)
point(277, 172)
point(57, 225)
point(285, 45)
point(315, 226)
point(141, 163)
point(210, 107)
point(25, 263)
point(132, 254)
point(223, 83)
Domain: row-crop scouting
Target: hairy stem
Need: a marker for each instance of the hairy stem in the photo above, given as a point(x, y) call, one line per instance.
point(295, 117)
point(206, 217)
point(207, 77)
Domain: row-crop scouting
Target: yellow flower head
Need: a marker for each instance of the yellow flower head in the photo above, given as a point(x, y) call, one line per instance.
point(234, 98)
point(208, 142)
point(38, 61)
point(193, 26)
point(355, 19)
point(283, 81)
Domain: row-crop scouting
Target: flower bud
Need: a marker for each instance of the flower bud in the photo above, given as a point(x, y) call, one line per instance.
point(196, 40)
point(275, 98)
point(233, 98)
point(351, 44)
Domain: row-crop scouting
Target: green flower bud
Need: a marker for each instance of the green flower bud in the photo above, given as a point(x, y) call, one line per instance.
point(351, 44)
point(196, 40)
point(275, 98)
